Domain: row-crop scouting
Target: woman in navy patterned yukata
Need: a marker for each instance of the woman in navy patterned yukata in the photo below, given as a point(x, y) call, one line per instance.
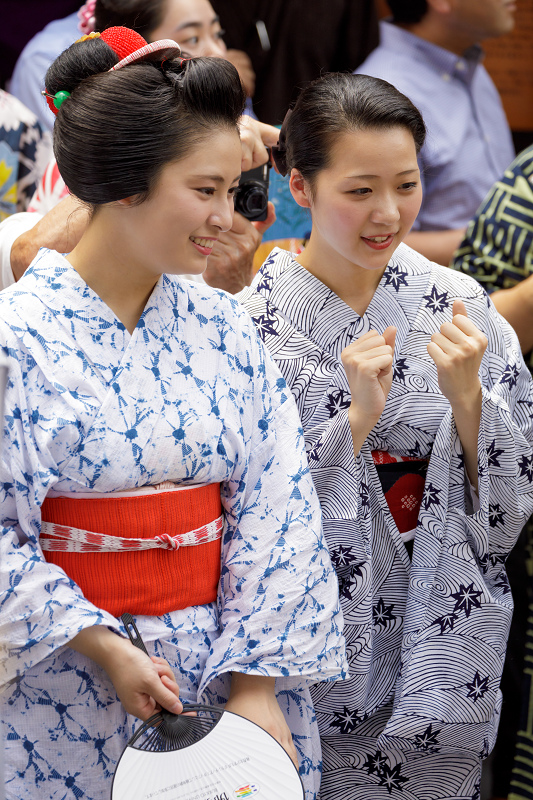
point(416, 408)
point(153, 459)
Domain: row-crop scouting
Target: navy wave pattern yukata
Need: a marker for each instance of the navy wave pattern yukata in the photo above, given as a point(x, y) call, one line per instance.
point(426, 640)
point(190, 397)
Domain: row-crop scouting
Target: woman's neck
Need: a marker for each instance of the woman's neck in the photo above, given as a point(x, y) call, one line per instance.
point(354, 285)
point(103, 260)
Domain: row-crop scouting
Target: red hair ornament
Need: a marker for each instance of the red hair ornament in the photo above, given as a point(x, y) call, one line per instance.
point(130, 47)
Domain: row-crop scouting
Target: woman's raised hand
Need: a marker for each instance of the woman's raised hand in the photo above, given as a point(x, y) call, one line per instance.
point(368, 366)
point(457, 350)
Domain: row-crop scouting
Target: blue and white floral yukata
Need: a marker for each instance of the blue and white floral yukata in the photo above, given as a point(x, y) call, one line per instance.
point(189, 397)
point(425, 638)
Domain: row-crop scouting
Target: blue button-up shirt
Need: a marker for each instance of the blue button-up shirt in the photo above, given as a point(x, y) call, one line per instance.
point(469, 143)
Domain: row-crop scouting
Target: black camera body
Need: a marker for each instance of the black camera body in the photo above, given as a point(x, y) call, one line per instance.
point(251, 197)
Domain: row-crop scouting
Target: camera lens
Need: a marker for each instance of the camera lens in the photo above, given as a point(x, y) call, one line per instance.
point(251, 200)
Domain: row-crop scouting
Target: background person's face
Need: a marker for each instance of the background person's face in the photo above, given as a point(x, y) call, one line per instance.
point(483, 19)
point(194, 25)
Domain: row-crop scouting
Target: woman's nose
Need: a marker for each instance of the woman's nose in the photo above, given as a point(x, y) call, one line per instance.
point(386, 211)
point(222, 216)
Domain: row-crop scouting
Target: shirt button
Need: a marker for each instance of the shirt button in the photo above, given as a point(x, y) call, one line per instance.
point(445, 76)
point(460, 66)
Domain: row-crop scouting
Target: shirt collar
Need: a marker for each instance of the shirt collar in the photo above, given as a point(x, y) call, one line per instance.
point(446, 64)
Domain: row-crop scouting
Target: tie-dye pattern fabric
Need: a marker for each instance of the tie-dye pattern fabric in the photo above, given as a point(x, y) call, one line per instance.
point(426, 639)
point(189, 397)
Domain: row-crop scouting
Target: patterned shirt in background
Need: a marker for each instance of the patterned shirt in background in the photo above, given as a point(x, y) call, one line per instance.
point(468, 142)
point(24, 153)
point(498, 247)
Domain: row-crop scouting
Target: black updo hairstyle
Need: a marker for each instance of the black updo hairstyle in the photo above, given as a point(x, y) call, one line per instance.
point(339, 103)
point(117, 130)
point(143, 16)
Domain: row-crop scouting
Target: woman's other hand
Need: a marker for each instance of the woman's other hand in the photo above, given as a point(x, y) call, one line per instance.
point(254, 697)
point(457, 350)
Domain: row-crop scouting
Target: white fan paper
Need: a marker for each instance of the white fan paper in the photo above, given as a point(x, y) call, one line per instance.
point(236, 760)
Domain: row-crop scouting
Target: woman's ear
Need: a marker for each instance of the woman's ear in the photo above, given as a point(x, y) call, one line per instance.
point(128, 201)
point(300, 189)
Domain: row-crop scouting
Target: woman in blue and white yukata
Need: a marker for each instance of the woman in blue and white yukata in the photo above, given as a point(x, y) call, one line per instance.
point(133, 388)
point(416, 408)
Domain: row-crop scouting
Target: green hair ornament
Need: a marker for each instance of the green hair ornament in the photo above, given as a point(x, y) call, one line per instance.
point(55, 101)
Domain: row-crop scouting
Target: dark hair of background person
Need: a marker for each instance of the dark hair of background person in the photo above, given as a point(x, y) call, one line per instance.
point(305, 39)
point(340, 103)
point(407, 12)
point(117, 130)
point(143, 16)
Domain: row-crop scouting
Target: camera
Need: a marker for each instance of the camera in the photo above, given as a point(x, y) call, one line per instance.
point(251, 197)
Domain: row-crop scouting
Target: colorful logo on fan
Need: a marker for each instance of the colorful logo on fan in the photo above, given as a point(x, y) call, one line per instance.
point(246, 791)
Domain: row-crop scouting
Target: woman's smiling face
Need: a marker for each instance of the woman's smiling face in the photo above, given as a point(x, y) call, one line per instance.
point(366, 201)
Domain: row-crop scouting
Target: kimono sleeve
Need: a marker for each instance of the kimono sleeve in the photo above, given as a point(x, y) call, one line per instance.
point(460, 603)
point(41, 609)
point(278, 598)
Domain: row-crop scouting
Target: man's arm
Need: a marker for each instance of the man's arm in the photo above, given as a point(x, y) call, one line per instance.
point(438, 246)
point(516, 305)
point(60, 229)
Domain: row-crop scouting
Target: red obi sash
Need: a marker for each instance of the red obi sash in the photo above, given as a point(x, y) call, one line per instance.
point(143, 554)
point(402, 480)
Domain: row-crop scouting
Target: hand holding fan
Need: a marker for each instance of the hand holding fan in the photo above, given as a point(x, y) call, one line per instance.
point(212, 755)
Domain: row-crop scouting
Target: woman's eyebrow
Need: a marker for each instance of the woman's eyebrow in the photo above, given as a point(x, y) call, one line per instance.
point(194, 24)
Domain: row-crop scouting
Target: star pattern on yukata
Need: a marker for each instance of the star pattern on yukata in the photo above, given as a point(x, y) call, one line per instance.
point(477, 687)
point(428, 740)
point(526, 467)
point(396, 277)
point(446, 622)
point(266, 324)
point(338, 399)
point(510, 375)
point(391, 778)
point(342, 556)
point(400, 368)
point(375, 764)
point(436, 302)
point(347, 582)
point(345, 720)
point(467, 598)
point(493, 453)
point(266, 281)
point(382, 613)
point(496, 515)
point(430, 496)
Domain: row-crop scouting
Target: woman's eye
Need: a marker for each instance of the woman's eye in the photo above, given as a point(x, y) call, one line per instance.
point(209, 190)
point(232, 190)
point(410, 185)
point(220, 34)
point(192, 41)
point(360, 192)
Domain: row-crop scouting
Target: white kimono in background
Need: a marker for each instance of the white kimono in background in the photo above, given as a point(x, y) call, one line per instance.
point(426, 640)
point(189, 397)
